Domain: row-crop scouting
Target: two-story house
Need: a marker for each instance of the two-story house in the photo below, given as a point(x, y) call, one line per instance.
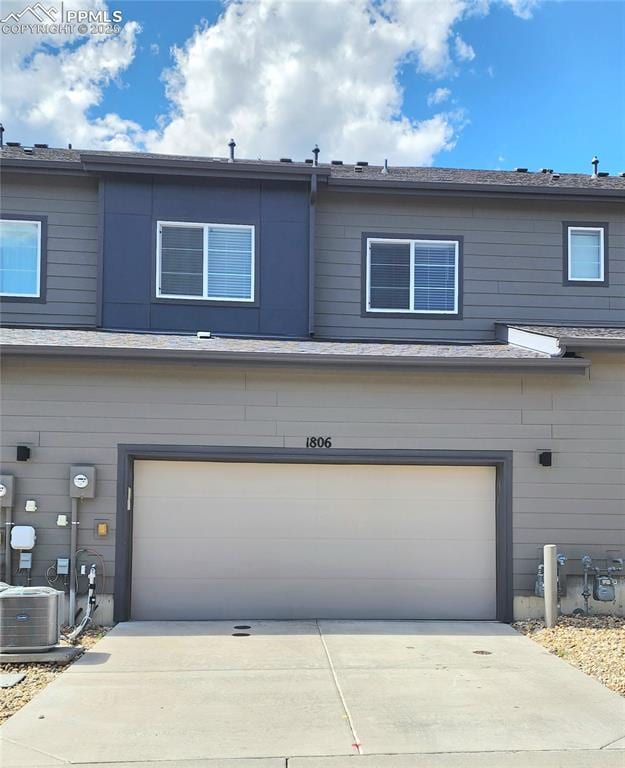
point(310, 389)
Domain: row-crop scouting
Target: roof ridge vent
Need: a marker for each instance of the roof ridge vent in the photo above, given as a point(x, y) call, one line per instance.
point(286, 160)
point(362, 163)
point(336, 162)
point(40, 146)
point(13, 144)
point(603, 174)
point(203, 335)
point(521, 170)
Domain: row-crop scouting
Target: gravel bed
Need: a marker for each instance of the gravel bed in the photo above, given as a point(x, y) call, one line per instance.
point(38, 675)
point(594, 644)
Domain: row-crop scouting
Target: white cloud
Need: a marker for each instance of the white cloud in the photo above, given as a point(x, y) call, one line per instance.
point(438, 96)
point(51, 82)
point(155, 49)
point(278, 75)
point(523, 8)
point(463, 50)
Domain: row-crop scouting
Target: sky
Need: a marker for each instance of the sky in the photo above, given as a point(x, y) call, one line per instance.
point(456, 83)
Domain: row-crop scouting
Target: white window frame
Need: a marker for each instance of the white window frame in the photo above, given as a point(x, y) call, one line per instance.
point(412, 243)
point(205, 226)
point(573, 228)
point(36, 295)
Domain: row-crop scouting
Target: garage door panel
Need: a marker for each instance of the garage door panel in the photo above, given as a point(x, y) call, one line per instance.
point(309, 518)
point(301, 540)
point(271, 481)
point(322, 558)
point(164, 599)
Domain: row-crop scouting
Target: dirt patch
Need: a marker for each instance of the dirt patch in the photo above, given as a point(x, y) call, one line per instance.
point(594, 644)
point(38, 676)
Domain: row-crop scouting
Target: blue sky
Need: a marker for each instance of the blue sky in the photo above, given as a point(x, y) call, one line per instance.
point(539, 88)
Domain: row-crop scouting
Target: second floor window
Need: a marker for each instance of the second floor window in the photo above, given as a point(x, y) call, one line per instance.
point(20, 258)
point(586, 254)
point(412, 276)
point(205, 261)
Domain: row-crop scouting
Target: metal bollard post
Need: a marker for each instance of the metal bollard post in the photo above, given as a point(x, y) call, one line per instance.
point(551, 584)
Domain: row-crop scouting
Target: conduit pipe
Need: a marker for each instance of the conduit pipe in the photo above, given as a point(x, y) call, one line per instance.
point(72, 562)
point(551, 584)
point(8, 523)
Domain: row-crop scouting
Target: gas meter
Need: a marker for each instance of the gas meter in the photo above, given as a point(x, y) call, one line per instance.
point(539, 584)
point(604, 589)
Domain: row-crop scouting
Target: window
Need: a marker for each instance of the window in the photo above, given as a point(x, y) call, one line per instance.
point(205, 261)
point(585, 247)
point(20, 258)
point(416, 276)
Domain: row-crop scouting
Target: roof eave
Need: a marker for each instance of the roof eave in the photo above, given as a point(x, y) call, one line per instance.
point(205, 168)
point(38, 166)
point(575, 342)
point(460, 188)
point(551, 365)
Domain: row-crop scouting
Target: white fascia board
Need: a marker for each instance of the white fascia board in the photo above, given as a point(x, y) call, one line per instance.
point(539, 342)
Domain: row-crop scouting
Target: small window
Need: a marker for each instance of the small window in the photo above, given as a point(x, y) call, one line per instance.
point(20, 258)
point(214, 262)
point(586, 254)
point(412, 276)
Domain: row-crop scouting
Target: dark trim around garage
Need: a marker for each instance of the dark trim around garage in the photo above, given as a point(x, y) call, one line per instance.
point(128, 454)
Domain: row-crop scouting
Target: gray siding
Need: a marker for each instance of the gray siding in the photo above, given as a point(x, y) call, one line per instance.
point(78, 412)
point(513, 254)
point(71, 205)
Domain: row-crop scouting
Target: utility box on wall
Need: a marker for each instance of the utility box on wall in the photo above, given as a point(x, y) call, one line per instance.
point(82, 482)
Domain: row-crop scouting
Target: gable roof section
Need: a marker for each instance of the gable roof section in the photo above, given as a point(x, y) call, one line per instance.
point(357, 177)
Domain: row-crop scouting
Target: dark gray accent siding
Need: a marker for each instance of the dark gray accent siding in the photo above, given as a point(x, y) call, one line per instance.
point(279, 213)
point(512, 264)
point(69, 207)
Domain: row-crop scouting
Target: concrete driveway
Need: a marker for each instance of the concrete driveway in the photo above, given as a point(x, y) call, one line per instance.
point(324, 694)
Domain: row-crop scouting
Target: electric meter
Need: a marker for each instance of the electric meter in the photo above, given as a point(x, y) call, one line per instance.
point(81, 481)
point(6, 490)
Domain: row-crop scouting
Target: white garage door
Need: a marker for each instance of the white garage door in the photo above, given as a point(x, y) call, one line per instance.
point(219, 540)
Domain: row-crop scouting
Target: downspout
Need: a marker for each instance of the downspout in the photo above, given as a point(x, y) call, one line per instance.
point(72, 562)
point(311, 255)
point(100, 267)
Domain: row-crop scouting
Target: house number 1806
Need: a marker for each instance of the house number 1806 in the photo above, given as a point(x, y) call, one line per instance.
point(318, 442)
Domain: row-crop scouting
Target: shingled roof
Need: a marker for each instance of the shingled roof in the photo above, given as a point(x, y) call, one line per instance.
point(358, 175)
point(386, 355)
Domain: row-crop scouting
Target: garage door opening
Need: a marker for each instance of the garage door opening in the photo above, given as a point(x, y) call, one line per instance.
point(245, 540)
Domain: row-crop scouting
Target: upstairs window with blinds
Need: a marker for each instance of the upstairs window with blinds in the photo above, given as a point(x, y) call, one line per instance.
point(412, 276)
point(214, 262)
point(586, 257)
